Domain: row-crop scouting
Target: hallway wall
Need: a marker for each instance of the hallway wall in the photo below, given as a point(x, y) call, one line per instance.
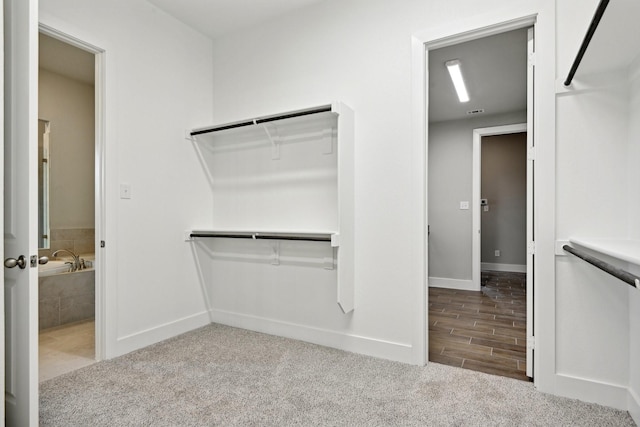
point(450, 182)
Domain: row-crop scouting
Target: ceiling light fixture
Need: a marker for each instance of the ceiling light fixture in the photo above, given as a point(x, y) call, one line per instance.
point(458, 82)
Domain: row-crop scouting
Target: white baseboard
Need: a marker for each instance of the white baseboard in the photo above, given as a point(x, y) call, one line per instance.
point(154, 335)
point(633, 406)
point(612, 395)
point(399, 352)
point(462, 285)
point(514, 268)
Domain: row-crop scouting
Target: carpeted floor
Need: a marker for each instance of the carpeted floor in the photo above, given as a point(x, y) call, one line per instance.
point(218, 375)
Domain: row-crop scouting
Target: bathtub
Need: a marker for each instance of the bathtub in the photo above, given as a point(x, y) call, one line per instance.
point(64, 296)
point(59, 267)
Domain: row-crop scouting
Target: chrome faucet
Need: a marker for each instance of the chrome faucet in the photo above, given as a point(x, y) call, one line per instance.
point(77, 264)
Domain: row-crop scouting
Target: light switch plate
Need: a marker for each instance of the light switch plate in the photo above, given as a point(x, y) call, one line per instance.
point(464, 205)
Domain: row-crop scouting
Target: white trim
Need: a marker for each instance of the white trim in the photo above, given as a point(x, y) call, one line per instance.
point(462, 285)
point(135, 341)
point(400, 352)
point(542, 17)
point(514, 268)
point(419, 131)
point(588, 390)
point(633, 406)
point(476, 170)
point(445, 36)
point(2, 311)
point(100, 181)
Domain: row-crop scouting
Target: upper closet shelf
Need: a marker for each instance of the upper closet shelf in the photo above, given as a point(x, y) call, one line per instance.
point(321, 112)
point(623, 249)
point(602, 6)
point(611, 44)
point(310, 236)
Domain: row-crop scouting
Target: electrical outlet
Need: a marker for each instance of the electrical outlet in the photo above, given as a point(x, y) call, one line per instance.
point(497, 252)
point(464, 205)
point(125, 191)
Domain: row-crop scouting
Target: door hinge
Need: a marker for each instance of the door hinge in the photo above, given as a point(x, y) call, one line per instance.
point(102, 243)
point(531, 248)
point(532, 59)
point(531, 343)
point(531, 153)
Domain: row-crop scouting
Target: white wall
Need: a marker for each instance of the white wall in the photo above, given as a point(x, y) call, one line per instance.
point(69, 105)
point(450, 182)
point(358, 52)
point(597, 196)
point(634, 233)
point(158, 83)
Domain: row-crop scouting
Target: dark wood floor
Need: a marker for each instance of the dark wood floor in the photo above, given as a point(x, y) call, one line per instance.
point(481, 330)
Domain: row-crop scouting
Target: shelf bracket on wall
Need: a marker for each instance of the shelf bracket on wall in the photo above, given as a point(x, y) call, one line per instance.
point(275, 256)
point(327, 141)
point(275, 141)
point(329, 263)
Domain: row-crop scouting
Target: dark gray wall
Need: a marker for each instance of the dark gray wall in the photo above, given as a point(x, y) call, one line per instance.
point(504, 184)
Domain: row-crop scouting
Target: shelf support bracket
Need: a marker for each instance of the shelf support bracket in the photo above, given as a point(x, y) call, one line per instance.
point(329, 262)
point(275, 256)
point(275, 142)
point(327, 141)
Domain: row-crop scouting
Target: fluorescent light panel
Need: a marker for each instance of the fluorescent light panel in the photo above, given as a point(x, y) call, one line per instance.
point(456, 77)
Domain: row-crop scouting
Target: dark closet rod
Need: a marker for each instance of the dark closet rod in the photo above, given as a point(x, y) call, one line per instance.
point(265, 119)
point(265, 236)
point(619, 273)
point(587, 39)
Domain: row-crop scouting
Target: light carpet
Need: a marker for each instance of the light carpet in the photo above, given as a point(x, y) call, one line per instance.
point(223, 376)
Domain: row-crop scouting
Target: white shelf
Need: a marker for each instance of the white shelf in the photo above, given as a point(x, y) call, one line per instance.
point(615, 43)
point(257, 164)
point(623, 249)
point(297, 235)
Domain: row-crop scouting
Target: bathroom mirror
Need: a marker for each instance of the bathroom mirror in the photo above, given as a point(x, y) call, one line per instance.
point(44, 131)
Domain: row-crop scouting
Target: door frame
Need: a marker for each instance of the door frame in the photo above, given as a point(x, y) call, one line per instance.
point(422, 42)
point(99, 181)
point(476, 171)
point(2, 335)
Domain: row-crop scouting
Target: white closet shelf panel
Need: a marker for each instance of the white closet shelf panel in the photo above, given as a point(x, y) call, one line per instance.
point(300, 163)
point(627, 250)
point(296, 121)
point(306, 235)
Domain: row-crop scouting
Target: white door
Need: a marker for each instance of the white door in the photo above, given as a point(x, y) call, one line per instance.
point(530, 200)
point(20, 212)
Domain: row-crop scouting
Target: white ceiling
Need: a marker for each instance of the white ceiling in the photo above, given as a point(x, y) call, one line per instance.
point(494, 70)
point(217, 17)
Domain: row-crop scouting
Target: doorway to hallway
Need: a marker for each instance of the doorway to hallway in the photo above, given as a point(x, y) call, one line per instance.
point(476, 321)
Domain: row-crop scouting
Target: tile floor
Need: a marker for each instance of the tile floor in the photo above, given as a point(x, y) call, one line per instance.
point(66, 348)
point(481, 330)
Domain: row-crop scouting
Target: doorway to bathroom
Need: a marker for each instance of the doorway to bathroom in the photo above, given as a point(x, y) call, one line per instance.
point(66, 206)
